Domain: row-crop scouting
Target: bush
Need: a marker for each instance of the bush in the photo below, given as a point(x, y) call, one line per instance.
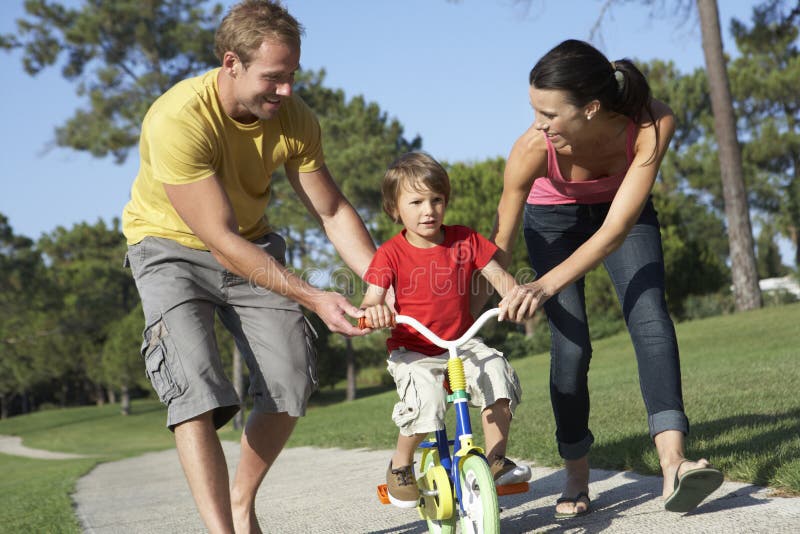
point(518, 345)
point(604, 326)
point(777, 297)
point(699, 306)
point(374, 376)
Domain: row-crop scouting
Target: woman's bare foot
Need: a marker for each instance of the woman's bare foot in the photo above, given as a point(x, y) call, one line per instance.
point(680, 466)
point(577, 482)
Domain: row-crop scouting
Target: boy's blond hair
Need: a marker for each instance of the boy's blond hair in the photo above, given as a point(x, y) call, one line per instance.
point(249, 23)
point(416, 171)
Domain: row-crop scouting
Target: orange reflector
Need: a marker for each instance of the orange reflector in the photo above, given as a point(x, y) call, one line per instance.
point(383, 494)
point(511, 489)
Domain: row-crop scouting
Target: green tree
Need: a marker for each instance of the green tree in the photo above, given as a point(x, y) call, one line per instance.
point(476, 189)
point(121, 365)
point(764, 81)
point(740, 234)
point(769, 255)
point(27, 326)
point(728, 151)
point(688, 192)
point(695, 248)
point(120, 55)
point(85, 263)
point(761, 81)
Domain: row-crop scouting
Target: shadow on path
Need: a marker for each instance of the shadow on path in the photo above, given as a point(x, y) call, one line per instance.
point(333, 491)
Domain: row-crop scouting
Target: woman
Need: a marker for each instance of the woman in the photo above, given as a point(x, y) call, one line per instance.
point(583, 173)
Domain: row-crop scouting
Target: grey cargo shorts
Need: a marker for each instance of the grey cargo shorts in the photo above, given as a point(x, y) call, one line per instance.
point(182, 289)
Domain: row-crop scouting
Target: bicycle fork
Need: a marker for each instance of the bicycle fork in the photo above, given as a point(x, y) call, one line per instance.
point(463, 444)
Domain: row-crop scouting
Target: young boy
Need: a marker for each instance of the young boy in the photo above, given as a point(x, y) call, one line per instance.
point(430, 267)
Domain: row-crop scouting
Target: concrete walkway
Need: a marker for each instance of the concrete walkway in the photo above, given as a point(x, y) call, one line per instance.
point(13, 445)
point(333, 491)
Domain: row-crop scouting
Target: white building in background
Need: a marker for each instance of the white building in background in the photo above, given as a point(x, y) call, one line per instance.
point(785, 283)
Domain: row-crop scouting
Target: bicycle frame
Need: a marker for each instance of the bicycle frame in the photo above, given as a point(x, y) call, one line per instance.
point(436, 500)
point(459, 398)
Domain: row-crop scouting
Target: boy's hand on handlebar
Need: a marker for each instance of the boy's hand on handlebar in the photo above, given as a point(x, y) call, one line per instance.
point(378, 316)
point(521, 303)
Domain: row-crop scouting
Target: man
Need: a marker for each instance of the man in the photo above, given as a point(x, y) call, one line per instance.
point(200, 243)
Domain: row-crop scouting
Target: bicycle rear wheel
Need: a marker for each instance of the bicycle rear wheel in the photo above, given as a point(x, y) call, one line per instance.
point(479, 496)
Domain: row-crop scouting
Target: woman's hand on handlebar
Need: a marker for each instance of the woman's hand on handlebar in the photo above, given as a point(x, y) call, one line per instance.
point(378, 316)
point(521, 302)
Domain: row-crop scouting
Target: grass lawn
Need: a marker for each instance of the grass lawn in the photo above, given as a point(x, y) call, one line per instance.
point(740, 376)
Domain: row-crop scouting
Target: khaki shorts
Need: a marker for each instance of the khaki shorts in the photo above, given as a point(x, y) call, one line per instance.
point(420, 384)
point(182, 289)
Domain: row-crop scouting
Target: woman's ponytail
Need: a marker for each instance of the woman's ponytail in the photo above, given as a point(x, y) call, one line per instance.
point(632, 96)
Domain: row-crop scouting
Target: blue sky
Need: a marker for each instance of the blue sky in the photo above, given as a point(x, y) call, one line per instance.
point(454, 73)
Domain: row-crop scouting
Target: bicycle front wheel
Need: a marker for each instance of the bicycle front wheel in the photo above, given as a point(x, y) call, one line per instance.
point(439, 526)
point(479, 498)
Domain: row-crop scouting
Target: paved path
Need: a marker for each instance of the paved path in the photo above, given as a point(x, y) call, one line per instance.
point(333, 491)
point(13, 445)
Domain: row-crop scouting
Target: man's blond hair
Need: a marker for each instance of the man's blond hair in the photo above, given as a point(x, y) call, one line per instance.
point(249, 23)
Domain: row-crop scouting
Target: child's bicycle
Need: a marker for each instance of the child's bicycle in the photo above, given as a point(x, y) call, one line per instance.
point(458, 484)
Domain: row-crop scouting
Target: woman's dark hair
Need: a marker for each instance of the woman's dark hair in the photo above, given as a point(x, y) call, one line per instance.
point(585, 74)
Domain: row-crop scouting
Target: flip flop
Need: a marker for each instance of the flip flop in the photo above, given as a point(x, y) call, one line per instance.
point(574, 501)
point(692, 487)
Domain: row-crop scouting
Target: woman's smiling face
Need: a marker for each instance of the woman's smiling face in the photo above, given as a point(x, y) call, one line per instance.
point(560, 120)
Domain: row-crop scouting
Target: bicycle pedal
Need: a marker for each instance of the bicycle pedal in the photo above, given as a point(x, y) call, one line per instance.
point(513, 489)
point(383, 494)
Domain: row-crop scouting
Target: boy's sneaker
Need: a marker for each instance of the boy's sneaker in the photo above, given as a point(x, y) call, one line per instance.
point(506, 472)
point(402, 486)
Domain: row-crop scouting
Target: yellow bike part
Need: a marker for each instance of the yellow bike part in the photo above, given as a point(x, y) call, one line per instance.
point(436, 493)
point(467, 447)
point(455, 374)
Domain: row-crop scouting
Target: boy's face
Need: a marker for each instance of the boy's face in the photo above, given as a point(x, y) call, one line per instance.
point(421, 212)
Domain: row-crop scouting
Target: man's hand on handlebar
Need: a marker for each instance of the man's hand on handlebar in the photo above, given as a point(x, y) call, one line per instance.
point(333, 308)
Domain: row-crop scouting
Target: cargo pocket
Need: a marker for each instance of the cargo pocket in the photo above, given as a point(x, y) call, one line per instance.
point(311, 358)
point(406, 411)
point(161, 363)
point(512, 383)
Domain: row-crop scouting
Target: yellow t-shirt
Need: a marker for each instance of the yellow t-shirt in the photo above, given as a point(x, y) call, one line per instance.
point(186, 137)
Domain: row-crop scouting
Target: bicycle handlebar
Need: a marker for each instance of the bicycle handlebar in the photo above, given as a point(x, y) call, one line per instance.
point(433, 338)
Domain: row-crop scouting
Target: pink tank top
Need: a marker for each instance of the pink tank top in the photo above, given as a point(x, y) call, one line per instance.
point(554, 189)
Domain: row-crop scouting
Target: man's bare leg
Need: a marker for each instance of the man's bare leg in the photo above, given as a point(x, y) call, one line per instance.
point(262, 440)
point(203, 463)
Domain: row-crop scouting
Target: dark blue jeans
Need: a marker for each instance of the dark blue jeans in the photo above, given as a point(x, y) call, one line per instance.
point(553, 233)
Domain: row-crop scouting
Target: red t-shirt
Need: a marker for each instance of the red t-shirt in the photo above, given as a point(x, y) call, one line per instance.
point(432, 285)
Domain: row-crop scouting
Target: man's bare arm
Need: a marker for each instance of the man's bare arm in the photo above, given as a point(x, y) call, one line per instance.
point(340, 221)
point(206, 210)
